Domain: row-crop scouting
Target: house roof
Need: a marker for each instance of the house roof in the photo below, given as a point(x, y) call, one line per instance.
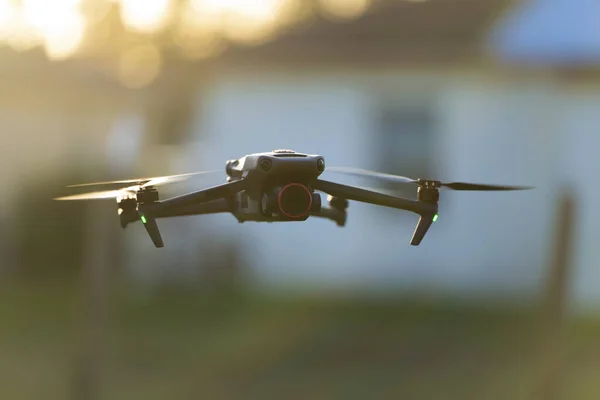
point(394, 30)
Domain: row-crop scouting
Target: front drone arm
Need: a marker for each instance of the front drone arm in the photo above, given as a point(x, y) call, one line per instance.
point(188, 204)
point(213, 207)
point(182, 203)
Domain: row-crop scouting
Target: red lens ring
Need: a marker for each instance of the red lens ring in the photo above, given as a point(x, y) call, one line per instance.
point(310, 200)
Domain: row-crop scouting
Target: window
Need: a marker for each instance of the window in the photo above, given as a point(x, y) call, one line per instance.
point(403, 144)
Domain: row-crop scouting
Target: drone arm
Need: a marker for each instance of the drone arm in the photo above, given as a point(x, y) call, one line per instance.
point(212, 207)
point(367, 196)
point(426, 211)
point(188, 204)
point(187, 201)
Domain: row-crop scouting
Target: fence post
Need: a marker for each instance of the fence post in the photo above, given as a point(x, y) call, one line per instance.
point(555, 301)
point(88, 384)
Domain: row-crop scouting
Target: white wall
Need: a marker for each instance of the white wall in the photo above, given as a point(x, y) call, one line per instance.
point(489, 131)
point(579, 170)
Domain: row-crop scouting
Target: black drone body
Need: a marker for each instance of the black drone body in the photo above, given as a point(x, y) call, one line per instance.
point(278, 186)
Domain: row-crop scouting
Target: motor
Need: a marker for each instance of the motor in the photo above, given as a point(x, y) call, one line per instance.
point(127, 210)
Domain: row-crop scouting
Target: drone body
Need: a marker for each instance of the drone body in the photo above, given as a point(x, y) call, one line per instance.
point(278, 186)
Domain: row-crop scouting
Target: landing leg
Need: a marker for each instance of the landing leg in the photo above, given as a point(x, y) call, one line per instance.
point(153, 231)
point(423, 225)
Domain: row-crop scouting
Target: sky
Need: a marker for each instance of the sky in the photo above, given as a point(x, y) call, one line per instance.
point(560, 32)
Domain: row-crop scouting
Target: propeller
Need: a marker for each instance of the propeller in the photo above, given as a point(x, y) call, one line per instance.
point(481, 187)
point(142, 183)
point(147, 182)
point(365, 173)
point(424, 182)
point(102, 195)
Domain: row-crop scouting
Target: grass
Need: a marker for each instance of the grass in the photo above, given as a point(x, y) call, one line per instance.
point(186, 344)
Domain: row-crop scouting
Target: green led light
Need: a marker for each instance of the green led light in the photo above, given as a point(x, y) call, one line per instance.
point(435, 217)
point(144, 220)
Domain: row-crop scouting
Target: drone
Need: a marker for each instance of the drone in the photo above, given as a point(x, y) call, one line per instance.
point(277, 186)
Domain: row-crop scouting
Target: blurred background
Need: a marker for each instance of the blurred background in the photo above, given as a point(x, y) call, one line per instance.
point(500, 301)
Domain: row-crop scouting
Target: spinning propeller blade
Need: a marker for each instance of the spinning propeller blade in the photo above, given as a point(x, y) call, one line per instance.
point(481, 187)
point(141, 183)
point(372, 174)
point(146, 182)
point(107, 194)
point(402, 179)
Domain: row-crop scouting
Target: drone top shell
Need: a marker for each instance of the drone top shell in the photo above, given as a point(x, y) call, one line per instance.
point(288, 151)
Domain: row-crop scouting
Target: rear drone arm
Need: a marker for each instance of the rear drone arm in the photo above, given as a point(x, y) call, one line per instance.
point(425, 210)
point(380, 199)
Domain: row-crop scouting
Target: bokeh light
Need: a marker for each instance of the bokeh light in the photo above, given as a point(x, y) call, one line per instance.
point(198, 29)
point(243, 21)
point(146, 16)
point(7, 14)
point(10, 20)
point(59, 24)
point(62, 40)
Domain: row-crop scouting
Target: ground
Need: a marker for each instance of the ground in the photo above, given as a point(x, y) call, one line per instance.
point(186, 344)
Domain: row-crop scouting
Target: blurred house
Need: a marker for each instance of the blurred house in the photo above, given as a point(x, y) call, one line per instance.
point(408, 89)
point(411, 88)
